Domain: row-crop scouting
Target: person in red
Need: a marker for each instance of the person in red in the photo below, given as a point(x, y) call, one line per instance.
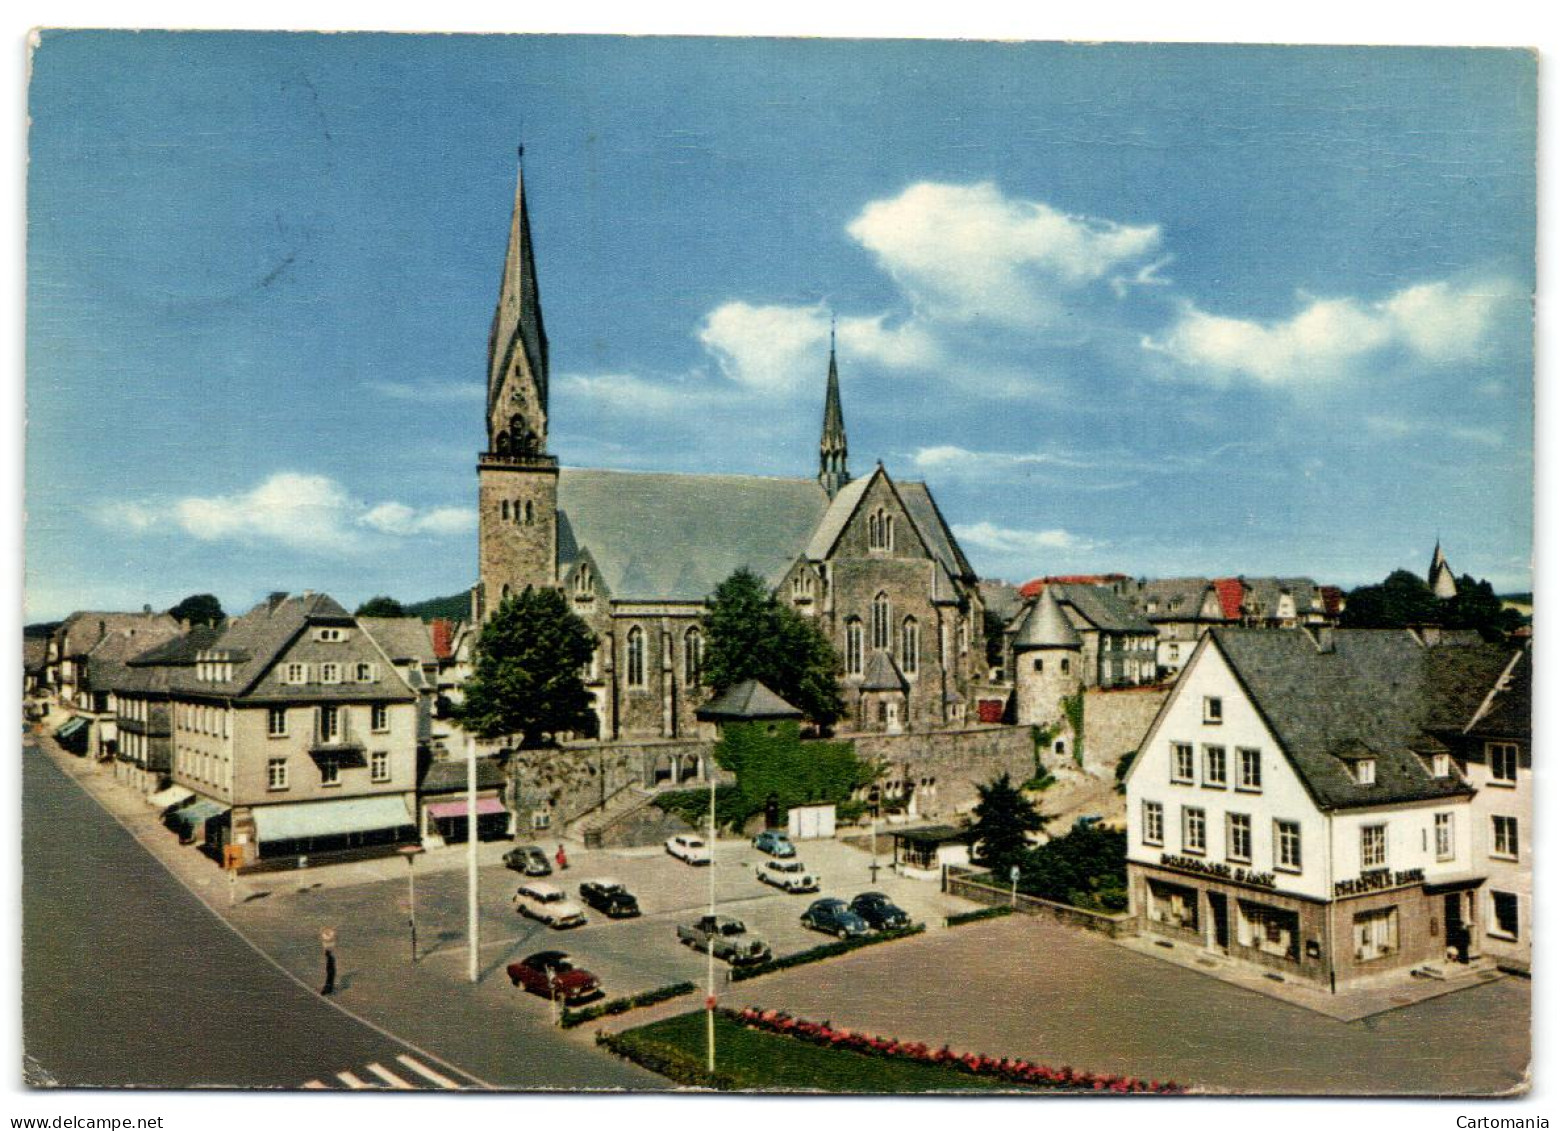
point(563, 861)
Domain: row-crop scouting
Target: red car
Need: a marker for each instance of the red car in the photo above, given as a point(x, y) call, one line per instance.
point(552, 974)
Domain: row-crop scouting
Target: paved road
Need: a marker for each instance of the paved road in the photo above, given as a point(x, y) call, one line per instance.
point(1027, 987)
point(128, 979)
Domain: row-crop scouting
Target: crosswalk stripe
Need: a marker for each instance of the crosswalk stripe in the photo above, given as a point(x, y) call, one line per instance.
point(389, 1077)
point(314, 1084)
point(351, 1081)
point(427, 1073)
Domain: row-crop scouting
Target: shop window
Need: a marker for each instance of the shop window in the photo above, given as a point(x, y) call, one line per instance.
point(1173, 905)
point(1375, 934)
point(1503, 905)
point(1272, 930)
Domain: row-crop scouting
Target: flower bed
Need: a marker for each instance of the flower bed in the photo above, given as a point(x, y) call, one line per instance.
point(1019, 1072)
point(819, 953)
point(976, 916)
point(573, 1017)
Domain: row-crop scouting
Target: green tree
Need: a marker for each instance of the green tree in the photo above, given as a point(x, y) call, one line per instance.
point(751, 635)
point(527, 680)
point(381, 607)
point(201, 608)
point(1401, 600)
point(1003, 819)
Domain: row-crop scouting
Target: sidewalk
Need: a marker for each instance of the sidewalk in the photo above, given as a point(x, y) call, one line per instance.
point(1393, 992)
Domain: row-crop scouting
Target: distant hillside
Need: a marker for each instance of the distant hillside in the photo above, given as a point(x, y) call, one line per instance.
point(1517, 598)
point(455, 607)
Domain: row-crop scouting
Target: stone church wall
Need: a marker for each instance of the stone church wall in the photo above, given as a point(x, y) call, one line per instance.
point(1115, 721)
point(944, 767)
point(570, 782)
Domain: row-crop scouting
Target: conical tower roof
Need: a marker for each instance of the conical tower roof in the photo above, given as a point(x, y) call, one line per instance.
point(746, 701)
point(1047, 626)
point(833, 450)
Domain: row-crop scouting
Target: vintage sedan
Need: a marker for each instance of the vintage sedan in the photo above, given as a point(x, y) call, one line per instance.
point(552, 974)
point(688, 849)
point(610, 898)
point(528, 860)
point(787, 875)
point(880, 912)
point(832, 917)
point(775, 843)
point(548, 904)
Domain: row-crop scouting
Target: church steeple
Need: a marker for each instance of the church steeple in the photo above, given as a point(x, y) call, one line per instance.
point(1441, 580)
point(832, 470)
point(517, 345)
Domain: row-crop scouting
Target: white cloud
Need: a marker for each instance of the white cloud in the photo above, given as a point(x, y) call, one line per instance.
point(431, 392)
point(966, 252)
point(952, 459)
point(305, 512)
point(1006, 540)
point(769, 349)
point(1329, 339)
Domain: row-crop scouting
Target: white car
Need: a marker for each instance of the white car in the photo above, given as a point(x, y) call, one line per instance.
point(689, 849)
point(548, 904)
point(788, 875)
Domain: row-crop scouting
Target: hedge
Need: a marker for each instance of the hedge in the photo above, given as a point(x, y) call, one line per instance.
point(819, 953)
point(677, 1066)
point(996, 912)
point(573, 1017)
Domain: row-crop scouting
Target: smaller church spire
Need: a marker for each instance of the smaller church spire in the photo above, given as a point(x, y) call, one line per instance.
point(833, 472)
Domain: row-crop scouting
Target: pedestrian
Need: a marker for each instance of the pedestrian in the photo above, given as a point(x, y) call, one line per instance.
point(563, 861)
point(330, 974)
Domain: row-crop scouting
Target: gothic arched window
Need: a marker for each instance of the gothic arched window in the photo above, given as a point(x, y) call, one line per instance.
point(875, 530)
point(501, 445)
point(504, 509)
point(853, 646)
point(584, 584)
point(880, 631)
point(693, 657)
point(888, 532)
point(910, 646)
point(636, 657)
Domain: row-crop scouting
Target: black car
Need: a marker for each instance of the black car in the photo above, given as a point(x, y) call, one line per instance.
point(610, 898)
point(879, 911)
point(528, 860)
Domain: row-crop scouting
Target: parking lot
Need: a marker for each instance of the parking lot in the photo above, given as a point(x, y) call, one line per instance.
point(628, 955)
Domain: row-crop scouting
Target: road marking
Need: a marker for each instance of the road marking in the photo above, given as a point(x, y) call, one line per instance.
point(352, 1081)
point(389, 1077)
point(315, 1085)
point(427, 1073)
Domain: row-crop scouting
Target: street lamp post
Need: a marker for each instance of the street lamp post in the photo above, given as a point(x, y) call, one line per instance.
point(411, 852)
point(471, 858)
point(709, 1001)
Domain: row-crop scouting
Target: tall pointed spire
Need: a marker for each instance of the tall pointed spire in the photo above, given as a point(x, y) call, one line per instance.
point(833, 472)
point(517, 346)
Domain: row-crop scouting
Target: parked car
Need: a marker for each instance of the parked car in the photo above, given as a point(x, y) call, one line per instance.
point(689, 849)
point(610, 898)
point(552, 974)
point(729, 937)
point(788, 875)
point(832, 917)
point(880, 912)
point(548, 904)
point(776, 843)
point(528, 860)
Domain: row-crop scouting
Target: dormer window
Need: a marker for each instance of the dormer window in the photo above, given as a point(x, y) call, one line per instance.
point(584, 584)
point(330, 635)
point(1441, 766)
point(1365, 771)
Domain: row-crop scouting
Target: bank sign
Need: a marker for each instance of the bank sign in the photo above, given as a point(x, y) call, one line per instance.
point(1218, 871)
point(1379, 879)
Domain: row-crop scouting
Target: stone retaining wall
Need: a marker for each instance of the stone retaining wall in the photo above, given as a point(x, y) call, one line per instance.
point(1115, 721)
point(940, 769)
point(957, 881)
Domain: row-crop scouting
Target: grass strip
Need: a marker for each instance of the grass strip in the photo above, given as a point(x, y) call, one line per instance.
point(819, 953)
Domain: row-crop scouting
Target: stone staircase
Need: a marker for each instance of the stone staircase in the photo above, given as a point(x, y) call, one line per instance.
point(626, 802)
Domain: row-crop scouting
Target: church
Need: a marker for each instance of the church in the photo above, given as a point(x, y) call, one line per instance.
point(869, 560)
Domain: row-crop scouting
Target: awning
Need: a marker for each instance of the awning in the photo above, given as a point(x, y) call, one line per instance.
point(192, 816)
point(73, 727)
point(307, 819)
point(166, 799)
point(439, 810)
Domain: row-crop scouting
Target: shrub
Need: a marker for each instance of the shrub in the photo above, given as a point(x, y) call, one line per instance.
point(573, 1017)
point(677, 1066)
point(819, 953)
point(996, 912)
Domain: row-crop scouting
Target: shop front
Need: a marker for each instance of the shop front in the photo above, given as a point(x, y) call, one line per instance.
point(450, 819)
point(355, 826)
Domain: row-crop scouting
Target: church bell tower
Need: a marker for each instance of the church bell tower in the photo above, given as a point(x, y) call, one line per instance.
point(832, 450)
point(517, 480)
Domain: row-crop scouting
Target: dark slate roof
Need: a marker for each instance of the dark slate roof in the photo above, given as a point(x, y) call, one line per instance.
point(35, 652)
point(81, 631)
point(1264, 594)
point(1177, 598)
point(835, 519)
point(660, 537)
point(928, 520)
point(1102, 608)
point(181, 650)
point(1001, 598)
point(883, 674)
point(449, 776)
point(744, 701)
point(1509, 711)
point(402, 638)
point(1376, 689)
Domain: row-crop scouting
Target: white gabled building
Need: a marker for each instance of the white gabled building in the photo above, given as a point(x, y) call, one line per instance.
point(1290, 807)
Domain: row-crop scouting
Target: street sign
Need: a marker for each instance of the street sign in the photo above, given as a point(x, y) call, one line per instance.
point(1013, 873)
point(328, 937)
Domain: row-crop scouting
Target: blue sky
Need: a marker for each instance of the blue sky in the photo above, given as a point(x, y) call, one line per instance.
point(1160, 310)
